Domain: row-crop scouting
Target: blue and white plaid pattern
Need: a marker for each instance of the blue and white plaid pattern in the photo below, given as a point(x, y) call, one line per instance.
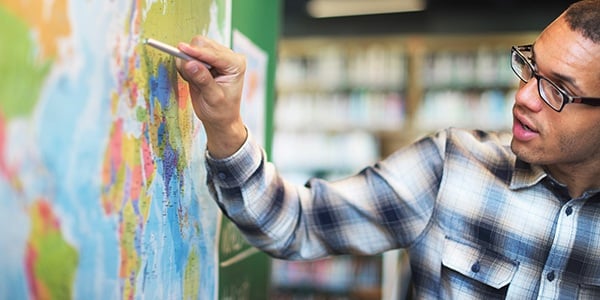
point(477, 222)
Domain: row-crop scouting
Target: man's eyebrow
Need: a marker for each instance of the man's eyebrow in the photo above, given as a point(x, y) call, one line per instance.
point(570, 81)
point(564, 79)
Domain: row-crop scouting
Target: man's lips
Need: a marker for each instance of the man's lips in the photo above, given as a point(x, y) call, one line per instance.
point(523, 121)
point(523, 129)
point(526, 127)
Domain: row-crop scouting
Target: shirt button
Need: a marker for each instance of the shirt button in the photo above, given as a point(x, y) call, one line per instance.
point(550, 276)
point(222, 175)
point(569, 210)
point(475, 267)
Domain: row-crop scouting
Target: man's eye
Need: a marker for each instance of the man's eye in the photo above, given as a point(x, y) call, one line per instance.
point(565, 90)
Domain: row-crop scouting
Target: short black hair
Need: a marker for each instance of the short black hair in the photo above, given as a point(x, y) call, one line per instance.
point(584, 17)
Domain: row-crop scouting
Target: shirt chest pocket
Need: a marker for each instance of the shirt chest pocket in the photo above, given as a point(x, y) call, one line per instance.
point(482, 265)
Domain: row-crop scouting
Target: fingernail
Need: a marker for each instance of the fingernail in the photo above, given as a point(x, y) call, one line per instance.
point(192, 68)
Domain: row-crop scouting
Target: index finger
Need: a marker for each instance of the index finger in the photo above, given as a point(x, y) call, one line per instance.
point(210, 52)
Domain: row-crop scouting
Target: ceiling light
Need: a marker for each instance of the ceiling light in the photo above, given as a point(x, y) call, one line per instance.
point(338, 8)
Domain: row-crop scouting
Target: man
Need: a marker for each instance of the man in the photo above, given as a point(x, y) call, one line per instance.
point(482, 215)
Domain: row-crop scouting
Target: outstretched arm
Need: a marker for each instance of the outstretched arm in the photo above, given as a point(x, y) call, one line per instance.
point(300, 222)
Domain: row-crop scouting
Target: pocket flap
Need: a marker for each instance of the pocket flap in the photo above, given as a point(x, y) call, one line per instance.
point(483, 265)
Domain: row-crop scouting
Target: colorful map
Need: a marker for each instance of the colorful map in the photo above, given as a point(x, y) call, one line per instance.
point(102, 188)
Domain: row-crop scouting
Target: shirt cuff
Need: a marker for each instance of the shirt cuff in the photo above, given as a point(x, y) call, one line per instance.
point(236, 169)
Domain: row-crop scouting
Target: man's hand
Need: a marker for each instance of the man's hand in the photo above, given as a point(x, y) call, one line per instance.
point(216, 93)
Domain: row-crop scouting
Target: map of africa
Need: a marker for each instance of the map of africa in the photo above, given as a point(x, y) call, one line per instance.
point(102, 192)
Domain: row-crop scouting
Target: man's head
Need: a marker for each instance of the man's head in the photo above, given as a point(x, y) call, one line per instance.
point(567, 55)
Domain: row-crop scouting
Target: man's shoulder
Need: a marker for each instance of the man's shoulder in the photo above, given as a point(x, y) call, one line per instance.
point(497, 136)
point(482, 144)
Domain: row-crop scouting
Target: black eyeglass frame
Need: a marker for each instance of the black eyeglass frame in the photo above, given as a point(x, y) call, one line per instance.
point(565, 96)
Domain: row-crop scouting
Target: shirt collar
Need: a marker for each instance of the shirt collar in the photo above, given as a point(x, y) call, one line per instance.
point(526, 175)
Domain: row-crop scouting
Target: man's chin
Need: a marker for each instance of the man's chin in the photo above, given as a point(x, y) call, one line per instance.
point(520, 151)
point(528, 154)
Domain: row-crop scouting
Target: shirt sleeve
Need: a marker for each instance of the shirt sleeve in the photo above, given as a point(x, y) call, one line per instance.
point(386, 205)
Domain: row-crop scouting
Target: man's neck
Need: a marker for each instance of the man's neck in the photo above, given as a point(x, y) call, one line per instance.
point(577, 178)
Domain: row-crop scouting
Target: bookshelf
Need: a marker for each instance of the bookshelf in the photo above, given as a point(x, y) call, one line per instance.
point(328, 278)
point(346, 102)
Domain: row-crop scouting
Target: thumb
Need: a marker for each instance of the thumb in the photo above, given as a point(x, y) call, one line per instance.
point(192, 68)
point(197, 74)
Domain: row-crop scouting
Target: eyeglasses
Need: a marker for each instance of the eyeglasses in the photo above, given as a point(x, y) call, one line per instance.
point(554, 96)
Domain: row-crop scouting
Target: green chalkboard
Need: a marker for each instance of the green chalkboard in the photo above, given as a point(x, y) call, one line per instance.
point(260, 20)
point(244, 271)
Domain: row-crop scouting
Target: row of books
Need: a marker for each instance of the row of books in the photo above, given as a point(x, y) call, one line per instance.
point(483, 68)
point(384, 66)
point(333, 67)
point(371, 110)
point(307, 154)
point(490, 109)
point(334, 275)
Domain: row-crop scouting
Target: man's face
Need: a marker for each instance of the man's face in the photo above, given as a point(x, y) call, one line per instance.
point(572, 136)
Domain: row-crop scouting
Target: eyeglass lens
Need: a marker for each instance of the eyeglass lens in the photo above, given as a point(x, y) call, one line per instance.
point(549, 93)
point(521, 68)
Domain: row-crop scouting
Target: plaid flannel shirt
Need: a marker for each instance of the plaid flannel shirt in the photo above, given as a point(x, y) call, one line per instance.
point(477, 222)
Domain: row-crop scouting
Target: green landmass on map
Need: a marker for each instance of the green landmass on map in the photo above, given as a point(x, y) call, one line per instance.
point(53, 260)
point(22, 75)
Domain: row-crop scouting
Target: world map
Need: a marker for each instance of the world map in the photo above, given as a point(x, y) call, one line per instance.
point(102, 188)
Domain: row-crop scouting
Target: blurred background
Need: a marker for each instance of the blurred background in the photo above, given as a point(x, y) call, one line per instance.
point(357, 79)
